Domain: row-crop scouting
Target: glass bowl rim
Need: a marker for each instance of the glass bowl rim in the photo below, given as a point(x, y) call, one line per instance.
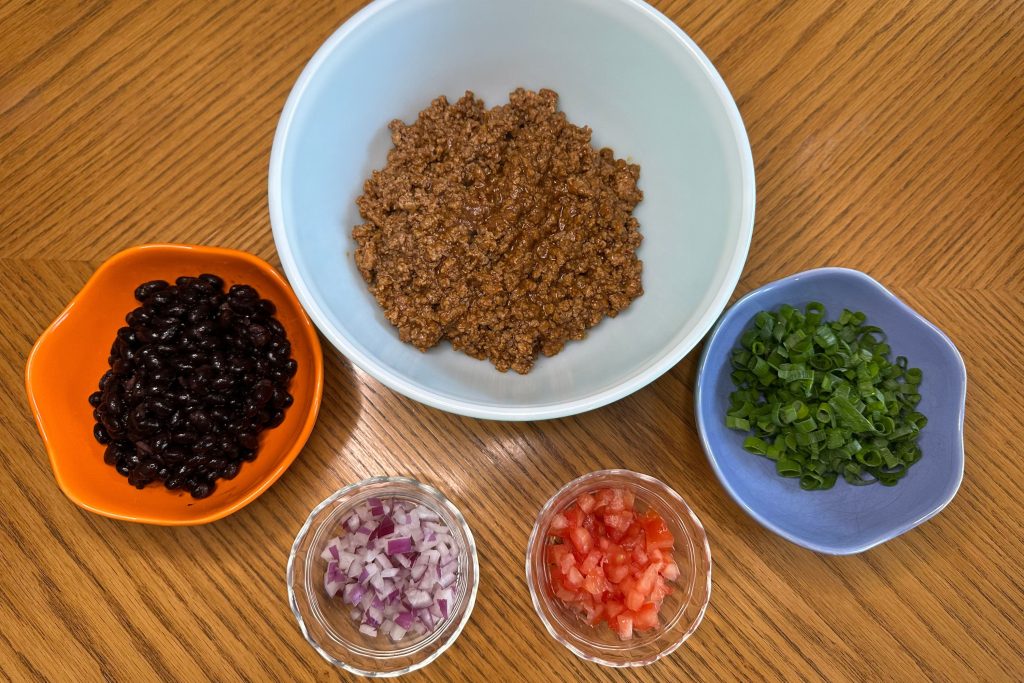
point(702, 547)
point(472, 589)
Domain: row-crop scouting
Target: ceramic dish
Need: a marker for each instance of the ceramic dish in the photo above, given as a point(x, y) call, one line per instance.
point(845, 519)
point(621, 68)
point(326, 623)
point(683, 609)
point(69, 358)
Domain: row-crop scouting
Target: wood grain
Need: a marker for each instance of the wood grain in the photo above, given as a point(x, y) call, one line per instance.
point(888, 137)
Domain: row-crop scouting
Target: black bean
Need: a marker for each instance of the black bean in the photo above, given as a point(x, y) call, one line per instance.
point(196, 375)
point(213, 280)
point(263, 392)
point(147, 289)
point(160, 299)
point(201, 489)
point(100, 433)
point(174, 455)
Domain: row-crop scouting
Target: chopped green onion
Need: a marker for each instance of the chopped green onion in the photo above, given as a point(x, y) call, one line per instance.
point(822, 399)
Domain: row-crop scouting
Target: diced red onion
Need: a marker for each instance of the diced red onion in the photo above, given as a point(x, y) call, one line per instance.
point(419, 599)
point(332, 587)
point(405, 620)
point(406, 555)
point(386, 527)
point(399, 545)
point(358, 591)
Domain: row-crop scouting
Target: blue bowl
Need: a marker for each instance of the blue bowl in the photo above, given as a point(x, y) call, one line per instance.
point(845, 519)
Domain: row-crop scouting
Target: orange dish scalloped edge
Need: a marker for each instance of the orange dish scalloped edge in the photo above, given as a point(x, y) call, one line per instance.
point(69, 358)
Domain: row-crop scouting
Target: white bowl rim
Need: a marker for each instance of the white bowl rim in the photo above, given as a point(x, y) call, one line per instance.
point(826, 548)
point(395, 381)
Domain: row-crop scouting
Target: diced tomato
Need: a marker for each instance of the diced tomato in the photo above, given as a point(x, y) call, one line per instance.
point(645, 584)
point(573, 578)
point(595, 583)
point(592, 560)
point(612, 608)
point(595, 613)
point(616, 572)
point(615, 564)
point(635, 599)
point(582, 540)
point(602, 498)
point(624, 625)
point(646, 617)
point(632, 537)
point(614, 554)
point(619, 521)
point(556, 552)
point(656, 531)
point(660, 590)
point(564, 594)
point(670, 570)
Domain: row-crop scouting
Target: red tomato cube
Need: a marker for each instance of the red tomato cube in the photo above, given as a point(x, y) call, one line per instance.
point(613, 608)
point(573, 578)
point(586, 502)
point(624, 625)
point(592, 560)
point(595, 583)
point(581, 539)
point(646, 617)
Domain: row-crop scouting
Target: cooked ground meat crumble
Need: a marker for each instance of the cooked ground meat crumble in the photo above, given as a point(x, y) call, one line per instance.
point(501, 230)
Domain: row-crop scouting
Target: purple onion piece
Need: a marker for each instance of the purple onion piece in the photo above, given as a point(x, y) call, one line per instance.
point(399, 545)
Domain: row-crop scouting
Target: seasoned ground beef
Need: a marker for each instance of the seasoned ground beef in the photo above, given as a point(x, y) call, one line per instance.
point(501, 230)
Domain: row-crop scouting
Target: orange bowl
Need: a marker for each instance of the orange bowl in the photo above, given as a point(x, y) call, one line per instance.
point(69, 358)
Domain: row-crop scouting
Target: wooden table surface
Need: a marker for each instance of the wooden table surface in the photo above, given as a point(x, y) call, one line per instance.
point(888, 137)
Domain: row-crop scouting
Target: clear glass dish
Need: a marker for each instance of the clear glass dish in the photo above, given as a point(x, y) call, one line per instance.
point(326, 623)
point(681, 611)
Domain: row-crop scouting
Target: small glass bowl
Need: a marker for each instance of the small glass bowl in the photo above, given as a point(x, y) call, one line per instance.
point(682, 610)
point(326, 623)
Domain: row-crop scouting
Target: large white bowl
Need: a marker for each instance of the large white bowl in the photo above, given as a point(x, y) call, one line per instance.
point(620, 67)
